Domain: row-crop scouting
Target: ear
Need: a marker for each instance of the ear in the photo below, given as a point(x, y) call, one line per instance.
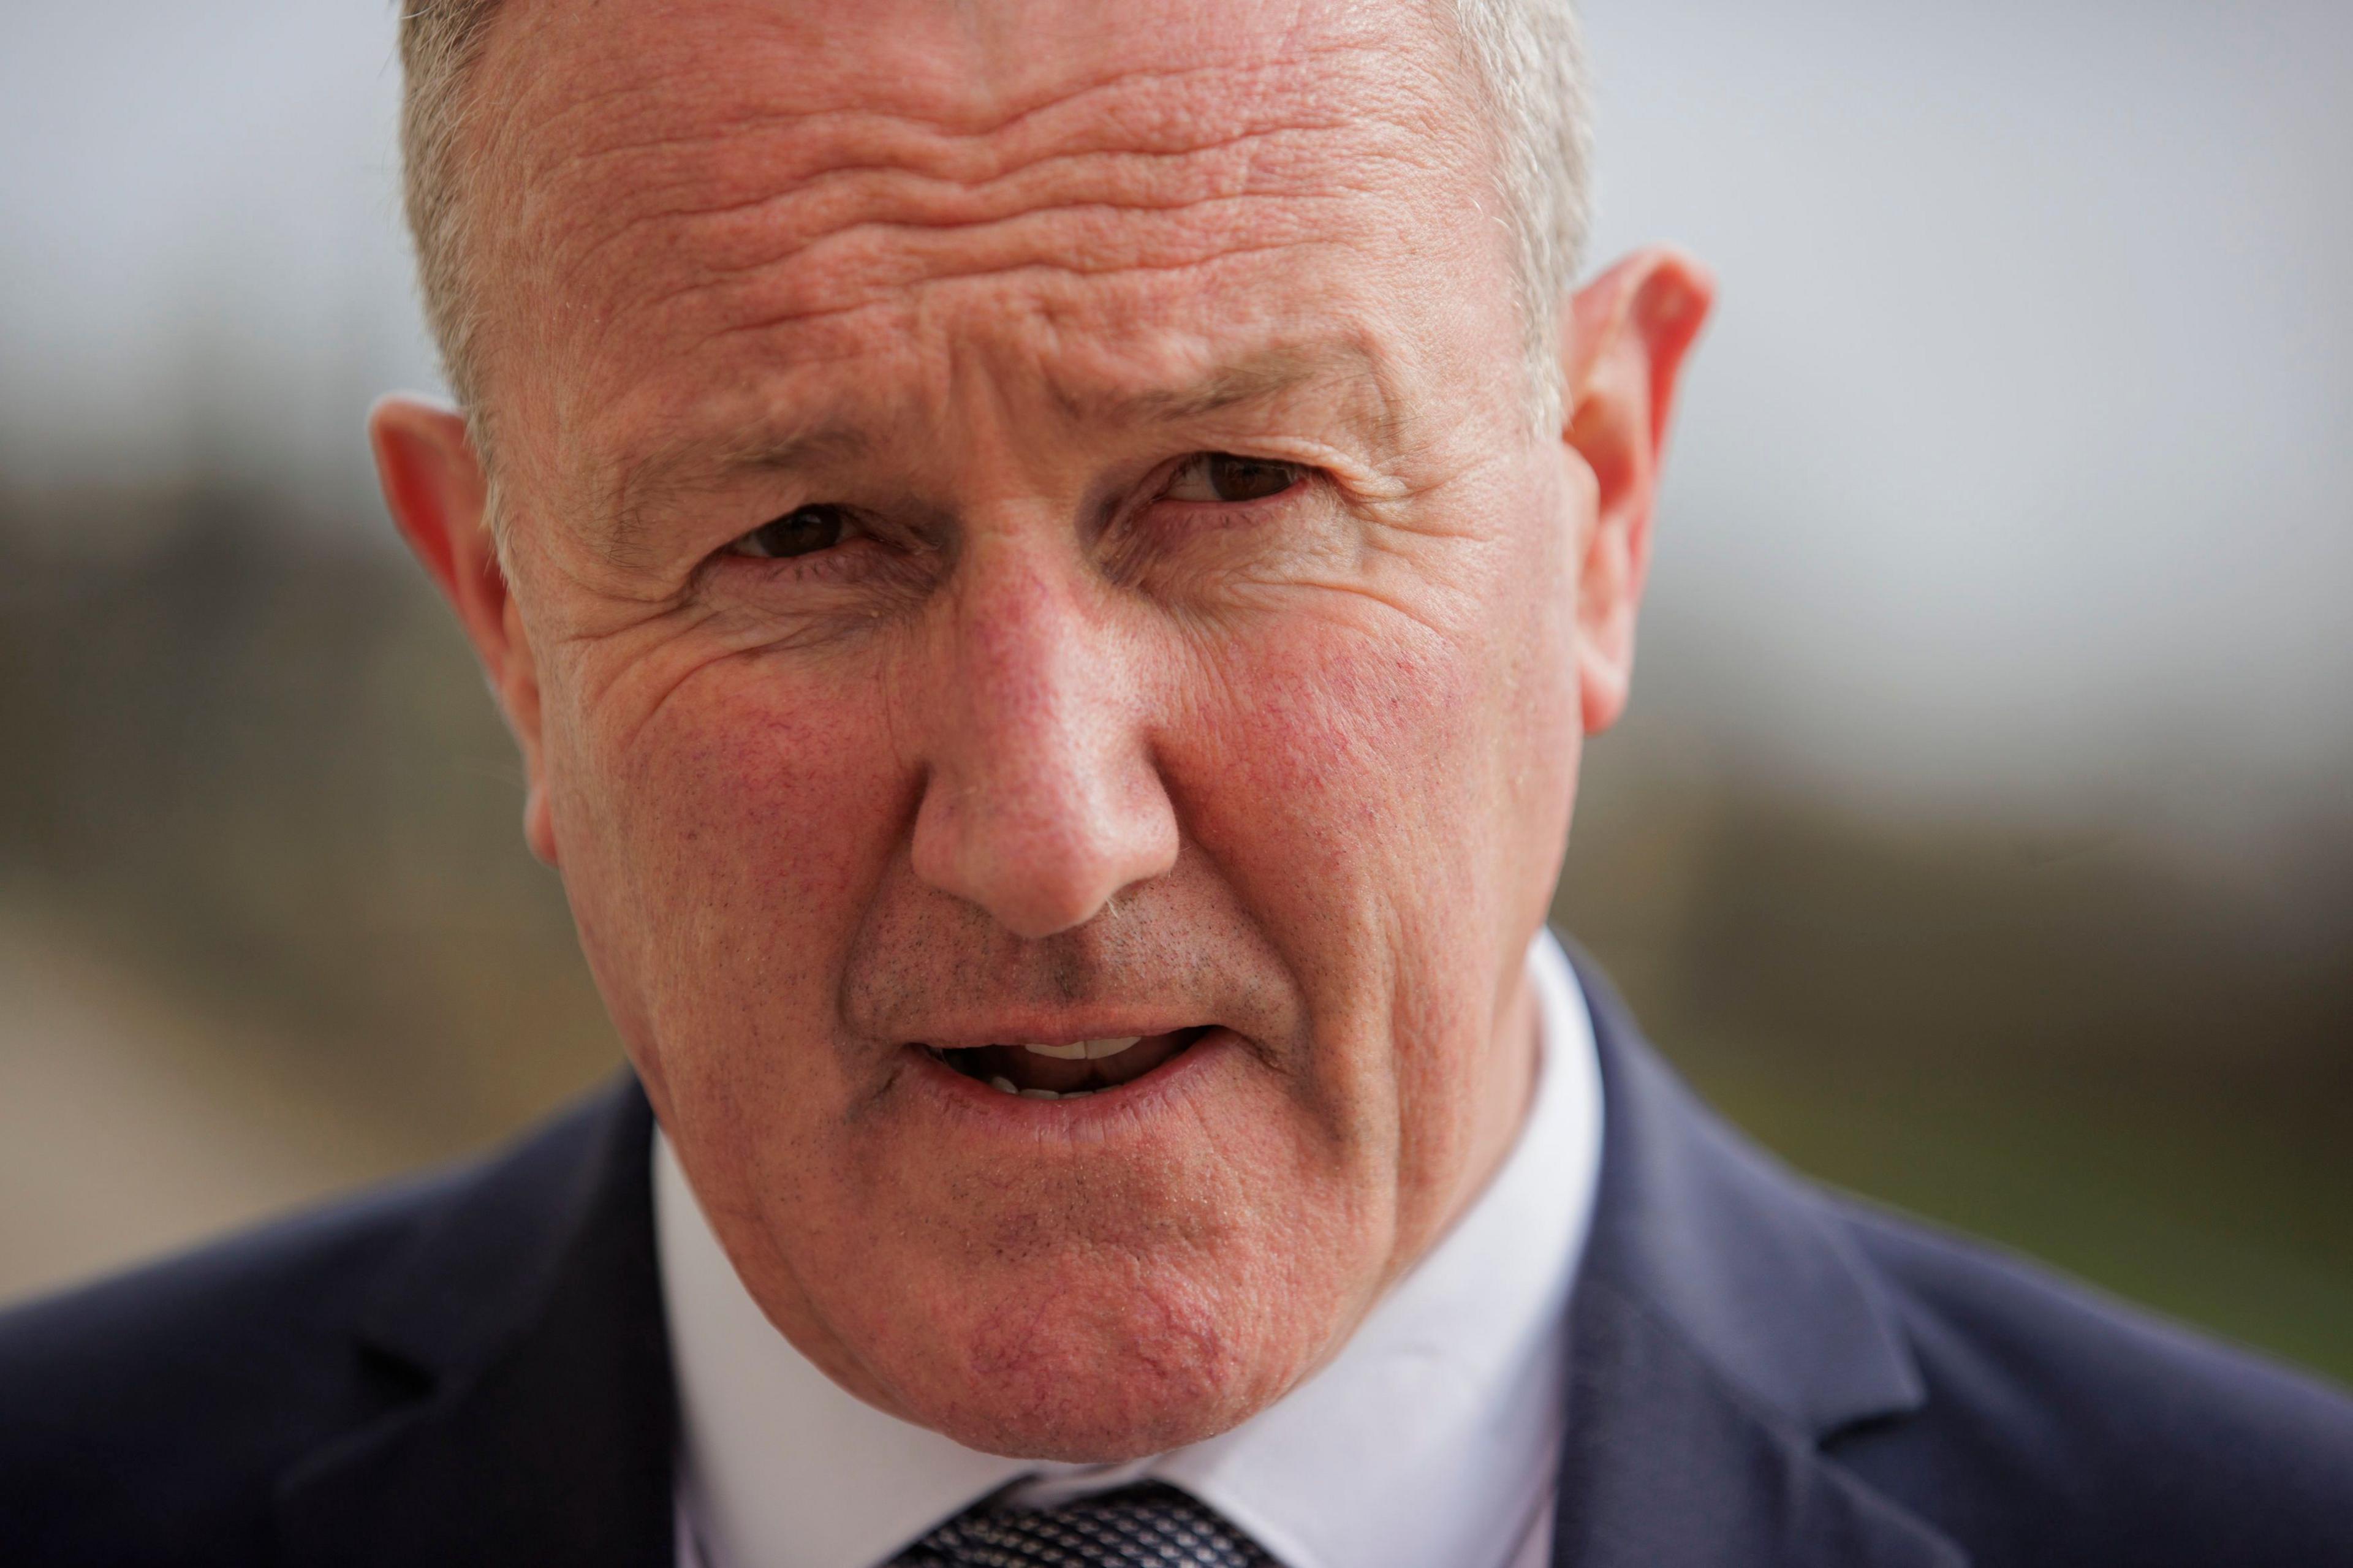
point(1623, 339)
point(435, 487)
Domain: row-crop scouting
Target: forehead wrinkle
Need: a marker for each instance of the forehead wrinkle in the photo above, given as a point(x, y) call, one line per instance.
point(1268, 198)
point(761, 147)
point(835, 140)
point(872, 231)
point(960, 125)
point(1144, 137)
point(845, 198)
point(684, 186)
point(890, 294)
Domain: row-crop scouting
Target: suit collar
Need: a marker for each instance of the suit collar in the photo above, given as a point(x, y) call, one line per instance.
point(527, 1316)
point(1723, 1329)
point(1747, 1263)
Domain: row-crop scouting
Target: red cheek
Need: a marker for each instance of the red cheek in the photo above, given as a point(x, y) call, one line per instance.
point(1347, 720)
point(1334, 772)
point(758, 816)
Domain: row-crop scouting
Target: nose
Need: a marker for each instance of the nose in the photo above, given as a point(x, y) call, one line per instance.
point(1042, 800)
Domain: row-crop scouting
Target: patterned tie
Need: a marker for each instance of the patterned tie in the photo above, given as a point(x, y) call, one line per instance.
point(1146, 1526)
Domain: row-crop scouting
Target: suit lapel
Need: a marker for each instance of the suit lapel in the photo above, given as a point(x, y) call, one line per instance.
point(1666, 1467)
point(1723, 1330)
point(528, 1316)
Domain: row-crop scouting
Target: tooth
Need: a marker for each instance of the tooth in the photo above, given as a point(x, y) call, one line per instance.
point(1071, 1053)
point(1005, 1084)
point(1040, 1094)
point(1098, 1049)
point(1078, 1094)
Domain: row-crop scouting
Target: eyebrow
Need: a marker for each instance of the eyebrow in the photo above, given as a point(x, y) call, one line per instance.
point(798, 446)
point(1260, 377)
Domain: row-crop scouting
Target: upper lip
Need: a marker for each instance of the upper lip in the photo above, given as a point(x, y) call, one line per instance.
point(1062, 1029)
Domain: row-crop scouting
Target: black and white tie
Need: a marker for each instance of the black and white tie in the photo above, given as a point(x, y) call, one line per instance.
point(1146, 1526)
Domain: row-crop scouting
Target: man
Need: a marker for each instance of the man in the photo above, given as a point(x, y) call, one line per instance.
point(1049, 564)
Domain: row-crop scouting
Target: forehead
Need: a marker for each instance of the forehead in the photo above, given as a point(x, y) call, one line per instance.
point(692, 202)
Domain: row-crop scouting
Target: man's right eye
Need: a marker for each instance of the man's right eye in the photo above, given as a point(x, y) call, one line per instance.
point(804, 530)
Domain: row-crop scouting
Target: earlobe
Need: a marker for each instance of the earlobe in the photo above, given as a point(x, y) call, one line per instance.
point(519, 695)
point(1624, 339)
point(539, 821)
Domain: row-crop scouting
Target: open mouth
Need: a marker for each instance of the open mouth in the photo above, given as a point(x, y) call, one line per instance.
point(1069, 1070)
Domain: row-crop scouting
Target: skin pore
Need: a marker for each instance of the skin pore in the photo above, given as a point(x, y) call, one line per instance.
point(1022, 525)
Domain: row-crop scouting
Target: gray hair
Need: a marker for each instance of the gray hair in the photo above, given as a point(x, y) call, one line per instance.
point(1527, 57)
point(1529, 60)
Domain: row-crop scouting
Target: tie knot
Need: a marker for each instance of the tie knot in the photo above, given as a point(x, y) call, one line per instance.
point(1150, 1525)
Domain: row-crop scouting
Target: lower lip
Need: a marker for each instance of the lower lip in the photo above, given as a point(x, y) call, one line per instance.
point(1139, 1097)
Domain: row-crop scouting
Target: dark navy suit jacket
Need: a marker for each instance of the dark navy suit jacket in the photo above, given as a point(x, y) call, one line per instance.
point(473, 1370)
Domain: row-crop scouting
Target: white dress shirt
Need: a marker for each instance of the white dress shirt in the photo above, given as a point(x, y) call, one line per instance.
point(1433, 1437)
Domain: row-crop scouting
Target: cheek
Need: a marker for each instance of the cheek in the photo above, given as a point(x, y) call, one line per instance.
point(1334, 777)
point(1373, 777)
point(1391, 797)
point(1332, 742)
point(727, 839)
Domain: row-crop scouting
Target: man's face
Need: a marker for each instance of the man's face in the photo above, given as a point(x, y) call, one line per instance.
point(1025, 530)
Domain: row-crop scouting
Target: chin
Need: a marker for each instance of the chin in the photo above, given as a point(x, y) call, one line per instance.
point(1103, 1375)
point(1092, 1408)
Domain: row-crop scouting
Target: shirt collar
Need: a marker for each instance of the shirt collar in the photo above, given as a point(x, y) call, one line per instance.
point(1431, 1437)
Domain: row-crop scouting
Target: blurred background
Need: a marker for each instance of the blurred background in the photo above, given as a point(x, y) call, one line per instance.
point(1982, 837)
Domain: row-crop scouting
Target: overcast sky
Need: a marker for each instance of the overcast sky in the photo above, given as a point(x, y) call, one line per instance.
point(2018, 467)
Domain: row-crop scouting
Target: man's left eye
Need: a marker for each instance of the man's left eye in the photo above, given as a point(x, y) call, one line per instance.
point(1222, 477)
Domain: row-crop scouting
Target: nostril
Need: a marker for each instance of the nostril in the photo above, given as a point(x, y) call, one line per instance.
point(1033, 879)
point(1043, 826)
